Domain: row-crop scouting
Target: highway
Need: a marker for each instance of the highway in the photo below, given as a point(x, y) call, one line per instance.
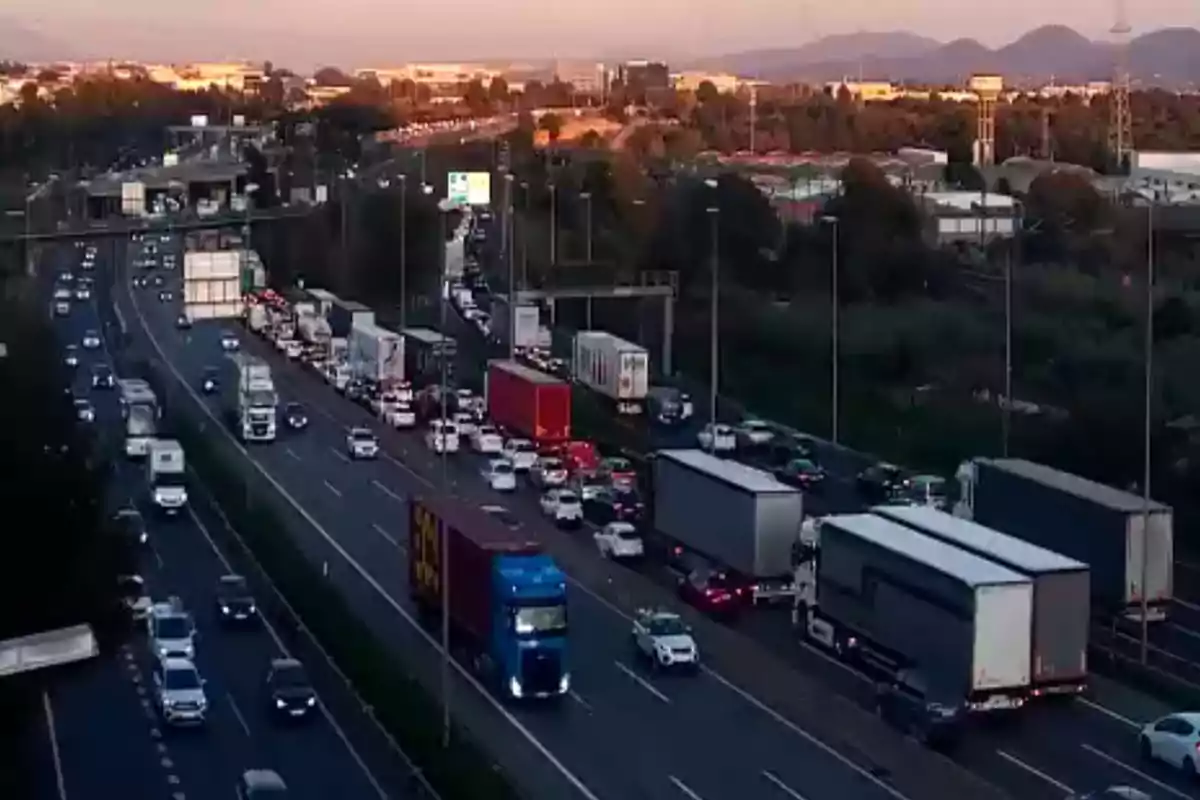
point(111, 740)
point(623, 733)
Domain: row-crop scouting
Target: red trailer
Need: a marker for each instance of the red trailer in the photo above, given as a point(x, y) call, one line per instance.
point(529, 402)
point(475, 539)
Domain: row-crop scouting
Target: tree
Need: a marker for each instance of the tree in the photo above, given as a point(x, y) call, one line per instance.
point(498, 90)
point(331, 76)
point(552, 124)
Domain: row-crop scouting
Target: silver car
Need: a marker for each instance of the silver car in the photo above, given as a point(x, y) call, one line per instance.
point(172, 631)
point(179, 691)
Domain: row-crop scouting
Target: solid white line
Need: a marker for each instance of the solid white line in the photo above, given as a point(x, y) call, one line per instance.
point(432, 641)
point(1175, 626)
point(645, 684)
point(1037, 773)
point(386, 491)
point(1188, 565)
point(781, 786)
point(332, 488)
point(1186, 604)
point(59, 778)
point(237, 712)
point(391, 539)
point(683, 787)
point(1116, 762)
point(1108, 712)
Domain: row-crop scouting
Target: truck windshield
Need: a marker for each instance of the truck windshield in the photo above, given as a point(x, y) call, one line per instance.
point(263, 399)
point(539, 619)
point(169, 479)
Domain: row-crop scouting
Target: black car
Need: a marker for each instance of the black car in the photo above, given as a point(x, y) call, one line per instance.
point(295, 416)
point(130, 525)
point(613, 505)
point(166, 295)
point(102, 377)
point(801, 472)
point(235, 604)
point(787, 447)
point(289, 693)
point(882, 483)
point(910, 704)
point(139, 281)
point(157, 280)
point(183, 322)
point(209, 380)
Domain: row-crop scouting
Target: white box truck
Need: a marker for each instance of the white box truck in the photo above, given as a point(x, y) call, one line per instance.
point(888, 598)
point(166, 474)
point(616, 369)
point(377, 354)
point(139, 409)
point(250, 400)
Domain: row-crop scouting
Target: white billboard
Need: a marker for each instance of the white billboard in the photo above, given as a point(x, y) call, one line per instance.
point(170, 159)
point(133, 198)
point(469, 188)
point(199, 120)
point(211, 265)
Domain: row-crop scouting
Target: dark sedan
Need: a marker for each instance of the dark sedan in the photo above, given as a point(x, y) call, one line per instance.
point(614, 505)
point(235, 603)
point(882, 483)
point(802, 473)
point(295, 416)
point(289, 694)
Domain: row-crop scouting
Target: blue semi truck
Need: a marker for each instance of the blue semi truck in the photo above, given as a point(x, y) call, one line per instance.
point(507, 599)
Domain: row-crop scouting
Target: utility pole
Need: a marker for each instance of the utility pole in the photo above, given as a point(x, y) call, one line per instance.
point(753, 116)
point(1148, 412)
point(444, 543)
point(403, 251)
point(1120, 125)
point(714, 216)
point(553, 226)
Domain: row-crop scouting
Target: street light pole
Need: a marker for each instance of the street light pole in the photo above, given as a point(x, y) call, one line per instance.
point(1148, 399)
point(835, 332)
point(1006, 406)
point(403, 251)
point(444, 544)
point(587, 199)
point(714, 215)
point(553, 226)
point(524, 235)
point(512, 283)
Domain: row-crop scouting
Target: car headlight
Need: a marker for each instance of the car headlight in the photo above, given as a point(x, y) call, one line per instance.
point(515, 688)
point(224, 609)
point(564, 683)
point(252, 609)
point(143, 537)
point(312, 701)
point(279, 703)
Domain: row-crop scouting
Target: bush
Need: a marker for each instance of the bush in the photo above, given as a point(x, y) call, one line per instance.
point(402, 706)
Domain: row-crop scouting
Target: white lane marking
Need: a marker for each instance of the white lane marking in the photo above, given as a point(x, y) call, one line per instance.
point(166, 763)
point(645, 684)
point(1116, 762)
point(779, 718)
point(1185, 603)
point(387, 491)
point(338, 454)
point(1108, 712)
point(391, 539)
point(1035, 772)
point(292, 453)
point(52, 731)
point(158, 557)
point(336, 491)
point(1188, 565)
point(1175, 626)
point(584, 703)
point(237, 712)
point(430, 640)
point(781, 786)
point(683, 787)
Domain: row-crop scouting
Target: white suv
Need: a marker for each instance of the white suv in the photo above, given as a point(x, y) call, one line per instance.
point(179, 691)
point(361, 443)
point(442, 437)
point(171, 630)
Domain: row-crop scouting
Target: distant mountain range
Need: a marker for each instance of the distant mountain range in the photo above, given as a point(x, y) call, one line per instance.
point(1166, 57)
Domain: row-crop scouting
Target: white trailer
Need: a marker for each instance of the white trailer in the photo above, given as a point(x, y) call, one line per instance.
point(251, 402)
point(314, 329)
point(166, 475)
point(613, 367)
point(257, 319)
point(377, 354)
point(889, 598)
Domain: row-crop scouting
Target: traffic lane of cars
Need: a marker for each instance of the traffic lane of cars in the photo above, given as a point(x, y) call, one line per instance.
point(618, 702)
point(343, 414)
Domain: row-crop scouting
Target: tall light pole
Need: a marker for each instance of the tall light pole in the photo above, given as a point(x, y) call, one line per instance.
point(403, 251)
point(1006, 406)
point(1148, 399)
point(586, 197)
point(834, 329)
point(714, 216)
point(524, 234)
point(553, 225)
point(444, 544)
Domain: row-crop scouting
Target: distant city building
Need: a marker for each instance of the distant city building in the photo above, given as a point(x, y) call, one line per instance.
point(967, 217)
point(237, 77)
point(722, 82)
point(648, 75)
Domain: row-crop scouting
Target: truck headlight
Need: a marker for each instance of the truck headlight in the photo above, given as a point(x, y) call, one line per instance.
point(143, 537)
point(564, 683)
point(515, 688)
point(224, 609)
point(279, 703)
point(312, 701)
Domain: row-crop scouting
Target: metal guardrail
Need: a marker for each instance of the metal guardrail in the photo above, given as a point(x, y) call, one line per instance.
point(47, 649)
point(126, 227)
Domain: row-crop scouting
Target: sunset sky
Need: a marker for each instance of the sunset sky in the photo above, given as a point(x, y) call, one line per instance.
point(428, 29)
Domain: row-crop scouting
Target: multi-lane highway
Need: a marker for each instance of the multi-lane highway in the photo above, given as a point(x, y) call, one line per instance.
point(111, 740)
point(746, 726)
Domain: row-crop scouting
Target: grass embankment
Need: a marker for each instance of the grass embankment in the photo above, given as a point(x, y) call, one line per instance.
point(402, 706)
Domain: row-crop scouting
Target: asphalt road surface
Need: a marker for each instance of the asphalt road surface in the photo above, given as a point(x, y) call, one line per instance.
point(623, 733)
point(110, 737)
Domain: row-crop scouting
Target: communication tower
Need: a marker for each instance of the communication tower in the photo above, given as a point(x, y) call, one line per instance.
point(987, 90)
point(1120, 124)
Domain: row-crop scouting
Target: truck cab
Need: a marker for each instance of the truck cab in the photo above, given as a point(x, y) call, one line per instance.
point(531, 626)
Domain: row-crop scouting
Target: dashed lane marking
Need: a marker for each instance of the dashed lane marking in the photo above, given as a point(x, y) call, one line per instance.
point(292, 453)
point(683, 787)
point(336, 491)
point(640, 681)
point(387, 491)
point(1108, 712)
point(1035, 772)
point(60, 780)
point(781, 786)
point(1116, 762)
point(237, 712)
point(391, 539)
